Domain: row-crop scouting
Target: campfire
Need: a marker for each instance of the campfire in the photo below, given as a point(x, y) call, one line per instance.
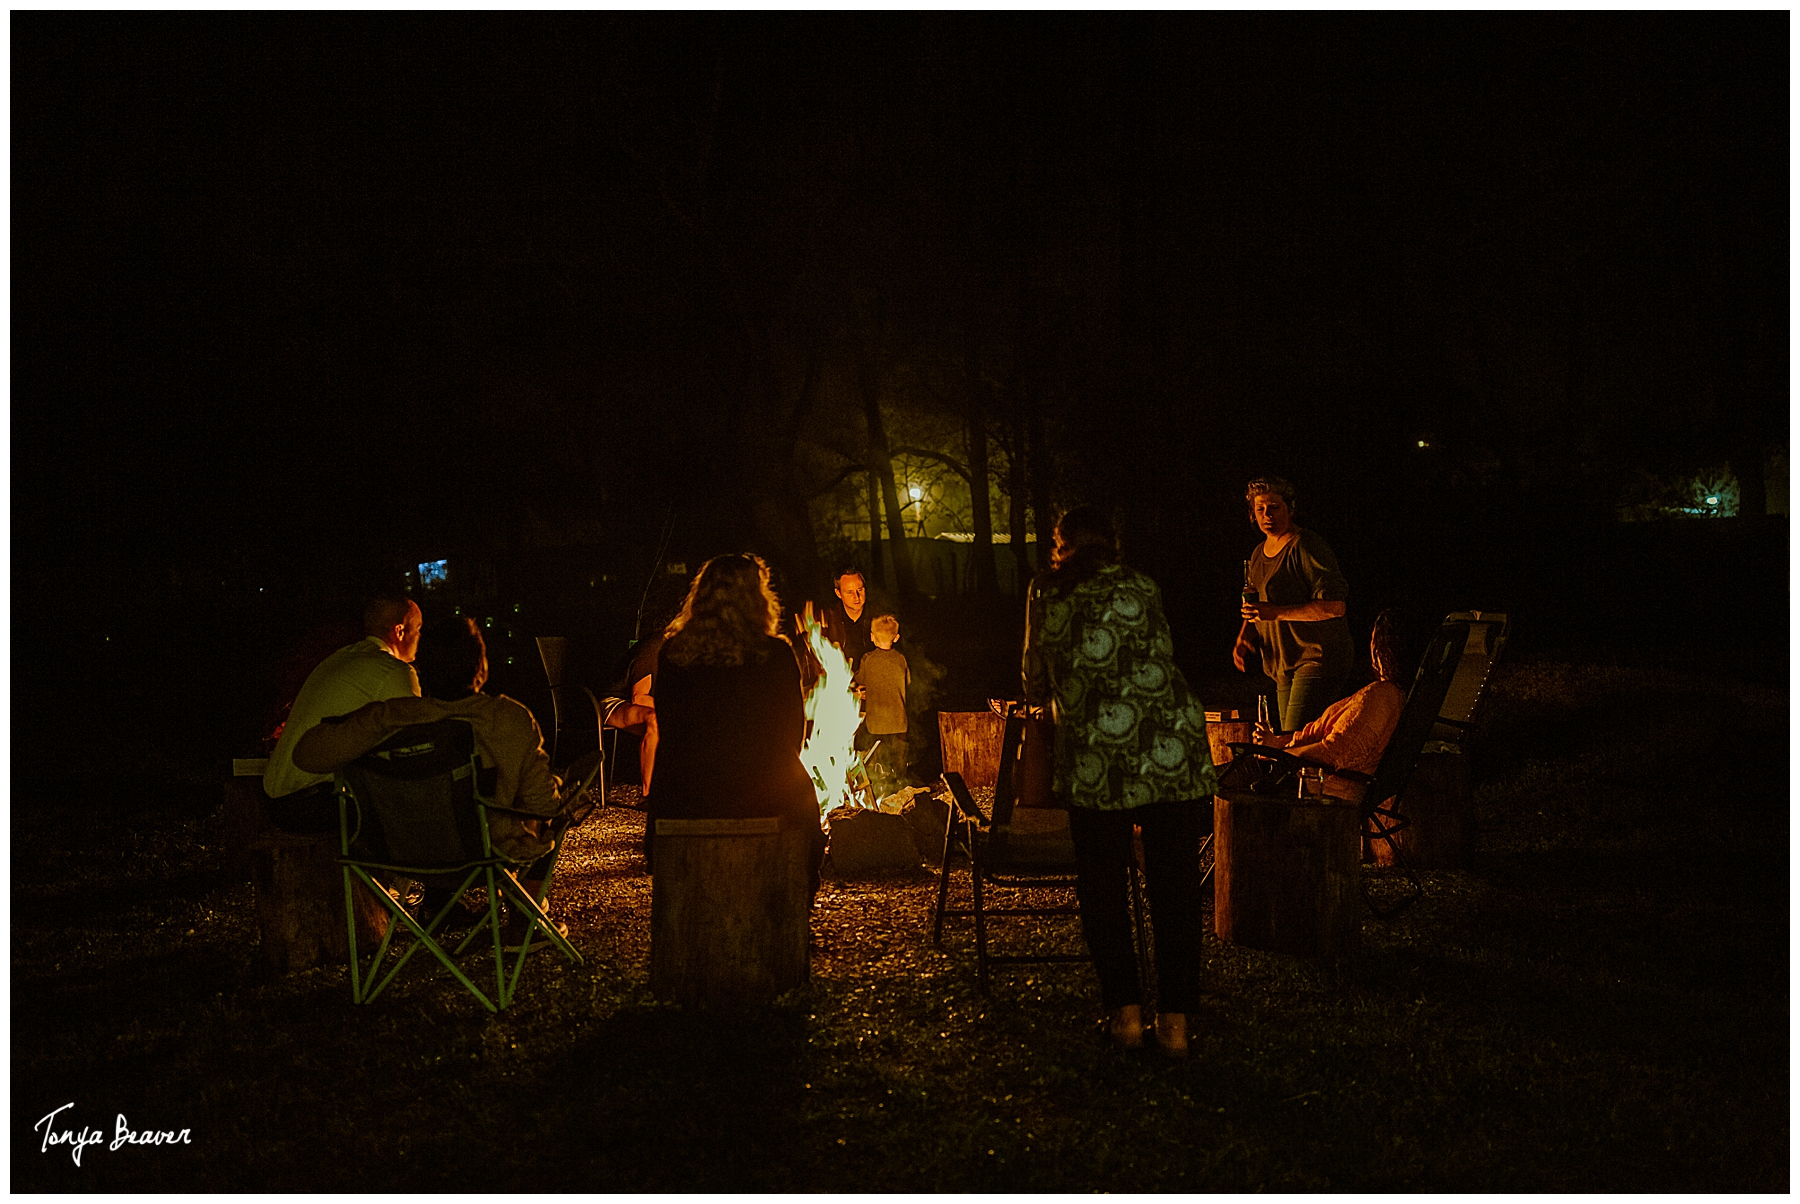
point(832, 715)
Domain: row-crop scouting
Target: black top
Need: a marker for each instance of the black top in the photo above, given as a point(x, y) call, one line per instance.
point(730, 740)
point(852, 637)
point(643, 663)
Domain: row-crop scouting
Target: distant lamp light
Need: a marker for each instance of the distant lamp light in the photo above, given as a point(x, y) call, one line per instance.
point(1713, 500)
point(916, 493)
point(1424, 443)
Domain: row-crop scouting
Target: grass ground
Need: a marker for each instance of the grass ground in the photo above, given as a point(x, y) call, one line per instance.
point(1598, 1003)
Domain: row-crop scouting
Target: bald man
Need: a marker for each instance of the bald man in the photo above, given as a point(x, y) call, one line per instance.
point(374, 669)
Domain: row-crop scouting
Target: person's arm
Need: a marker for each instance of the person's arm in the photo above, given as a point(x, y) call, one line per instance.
point(335, 742)
point(537, 789)
point(1033, 672)
point(1354, 733)
point(1245, 648)
point(1318, 565)
point(1305, 612)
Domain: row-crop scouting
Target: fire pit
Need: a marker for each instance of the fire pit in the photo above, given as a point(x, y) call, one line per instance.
point(866, 835)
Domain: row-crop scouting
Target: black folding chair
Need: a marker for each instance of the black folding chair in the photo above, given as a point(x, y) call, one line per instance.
point(1381, 820)
point(416, 806)
point(1020, 847)
point(577, 724)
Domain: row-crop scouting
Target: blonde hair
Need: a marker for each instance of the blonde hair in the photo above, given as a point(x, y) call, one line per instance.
point(887, 624)
point(728, 615)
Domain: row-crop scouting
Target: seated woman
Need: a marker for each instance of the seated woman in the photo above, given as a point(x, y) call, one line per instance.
point(729, 710)
point(1353, 732)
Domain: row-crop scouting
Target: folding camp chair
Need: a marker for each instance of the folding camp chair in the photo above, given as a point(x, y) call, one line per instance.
point(416, 806)
point(1024, 847)
point(1381, 820)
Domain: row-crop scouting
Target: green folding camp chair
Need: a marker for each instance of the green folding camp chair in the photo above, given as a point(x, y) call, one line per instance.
point(415, 806)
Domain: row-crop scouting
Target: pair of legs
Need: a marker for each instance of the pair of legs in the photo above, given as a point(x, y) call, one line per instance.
point(1303, 692)
point(1103, 858)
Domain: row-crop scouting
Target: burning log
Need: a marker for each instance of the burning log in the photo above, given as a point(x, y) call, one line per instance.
point(867, 841)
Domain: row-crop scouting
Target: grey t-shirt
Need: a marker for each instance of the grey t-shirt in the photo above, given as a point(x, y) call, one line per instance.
point(1304, 571)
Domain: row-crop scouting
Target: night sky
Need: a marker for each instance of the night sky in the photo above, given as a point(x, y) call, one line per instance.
point(301, 298)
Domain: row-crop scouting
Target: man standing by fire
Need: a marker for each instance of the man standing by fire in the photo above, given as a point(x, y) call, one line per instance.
point(847, 623)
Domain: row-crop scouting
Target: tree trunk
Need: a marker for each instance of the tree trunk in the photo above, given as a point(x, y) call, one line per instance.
point(1753, 487)
point(1437, 801)
point(981, 554)
point(299, 888)
point(1015, 498)
point(877, 574)
point(883, 467)
point(1038, 461)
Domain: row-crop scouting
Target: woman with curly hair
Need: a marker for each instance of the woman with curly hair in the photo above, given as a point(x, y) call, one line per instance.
point(729, 710)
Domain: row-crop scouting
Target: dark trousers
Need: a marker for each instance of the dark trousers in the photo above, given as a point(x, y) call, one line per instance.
point(1103, 859)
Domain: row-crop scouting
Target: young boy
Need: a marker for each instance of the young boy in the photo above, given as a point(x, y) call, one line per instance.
point(883, 678)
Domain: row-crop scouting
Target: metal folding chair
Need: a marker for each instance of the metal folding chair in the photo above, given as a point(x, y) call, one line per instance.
point(416, 806)
point(1028, 848)
point(577, 725)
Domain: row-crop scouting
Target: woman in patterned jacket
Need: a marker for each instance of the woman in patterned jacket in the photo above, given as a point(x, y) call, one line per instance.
point(1130, 749)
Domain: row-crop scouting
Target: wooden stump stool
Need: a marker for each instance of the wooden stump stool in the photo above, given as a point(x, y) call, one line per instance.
point(1285, 874)
point(1224, 728)
point(1438, 802)
point(246, 816)
point(970, 741)
point(300, 902)
point(728, 911)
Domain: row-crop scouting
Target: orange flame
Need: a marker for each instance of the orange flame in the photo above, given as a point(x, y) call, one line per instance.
point(833, 714)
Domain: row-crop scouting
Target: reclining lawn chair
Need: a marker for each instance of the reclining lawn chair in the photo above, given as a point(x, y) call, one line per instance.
point(1380, 818)
point(1463, 705)
point(416, 806)
point(1024, 847)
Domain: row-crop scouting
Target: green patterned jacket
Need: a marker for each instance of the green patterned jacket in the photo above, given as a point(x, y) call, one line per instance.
point(1129, 732)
